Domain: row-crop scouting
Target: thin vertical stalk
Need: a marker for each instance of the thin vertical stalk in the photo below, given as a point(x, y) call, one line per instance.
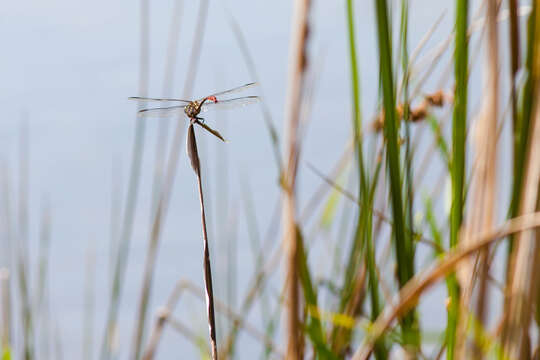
point(409, 194)
point(6, 273)
point(340, 337)
point(409, 198)
point(5, 311)
point(41, 296)
point(404, 247)
point(116, 208)
point(313, 327)
point(168, 77)
point(131, 197)
point(160, 189)
point(195, 164)
point(44, 255)
point(355, 85)
point(458, 159)
point(362, 236)
point(381, 351)
point(481, 215)
point(250, 64)
point(521, 131)
point(524, 278)
point(89, 303)
point(23, 261)
point(513, 26)
point(296, 74)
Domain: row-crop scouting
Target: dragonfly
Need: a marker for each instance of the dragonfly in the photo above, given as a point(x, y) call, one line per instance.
point(192, 108)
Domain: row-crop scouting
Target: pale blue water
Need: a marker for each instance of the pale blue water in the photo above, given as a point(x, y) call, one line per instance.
point(70, 66)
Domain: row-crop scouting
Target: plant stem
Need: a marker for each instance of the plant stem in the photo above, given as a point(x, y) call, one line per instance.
point(195, 163)
point(458, 159)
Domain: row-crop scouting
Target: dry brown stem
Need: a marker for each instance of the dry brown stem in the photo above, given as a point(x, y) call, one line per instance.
point(296, 76)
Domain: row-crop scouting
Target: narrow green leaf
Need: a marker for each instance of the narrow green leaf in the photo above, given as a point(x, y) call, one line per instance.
point(439, 138)
point(314, 328)
point(458, 157)
point(403, 243)
point(330, 209)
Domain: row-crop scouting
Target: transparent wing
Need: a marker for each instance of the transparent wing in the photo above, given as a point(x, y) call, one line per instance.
point(162, 111)
point(139, 98)
point(230, 103)
point(235, 90)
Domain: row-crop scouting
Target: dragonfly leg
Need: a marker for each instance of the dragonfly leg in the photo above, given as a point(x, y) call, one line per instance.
point(200, 119)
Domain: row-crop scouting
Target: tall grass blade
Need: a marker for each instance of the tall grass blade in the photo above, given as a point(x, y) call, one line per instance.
point(158, 180)
point(513, 26)
point(350, 297)
point(132, 193)
point(89, 304)
point(313, 327)
point(250, 64)
point(458, 158)
point(402, 243)
point(5, 311)
point(442, 146)
point(521, 128)
point(44, 256)
point(22, 251)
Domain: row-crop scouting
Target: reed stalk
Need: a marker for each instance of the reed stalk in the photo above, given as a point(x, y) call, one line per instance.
point(524, 280)
point(5, 312)
point(458, 160)
point(196, 165)
point(109, 334)
point(296, 75)
point(403, 243)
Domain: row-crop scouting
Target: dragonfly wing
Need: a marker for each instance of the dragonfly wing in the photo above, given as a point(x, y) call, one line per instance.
point(139, 98)
point(236, 89)
point(162, 111)
point(230, 103)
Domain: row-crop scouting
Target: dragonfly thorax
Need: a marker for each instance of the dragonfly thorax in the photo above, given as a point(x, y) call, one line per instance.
point(192, 109)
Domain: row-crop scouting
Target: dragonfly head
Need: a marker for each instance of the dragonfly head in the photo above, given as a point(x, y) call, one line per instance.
point(212, 98)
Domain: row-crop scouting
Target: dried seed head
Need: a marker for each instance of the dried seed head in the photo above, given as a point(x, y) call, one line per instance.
point(436, 99)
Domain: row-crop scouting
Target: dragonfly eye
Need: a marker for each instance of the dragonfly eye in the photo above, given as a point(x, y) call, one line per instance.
point(212, 98)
